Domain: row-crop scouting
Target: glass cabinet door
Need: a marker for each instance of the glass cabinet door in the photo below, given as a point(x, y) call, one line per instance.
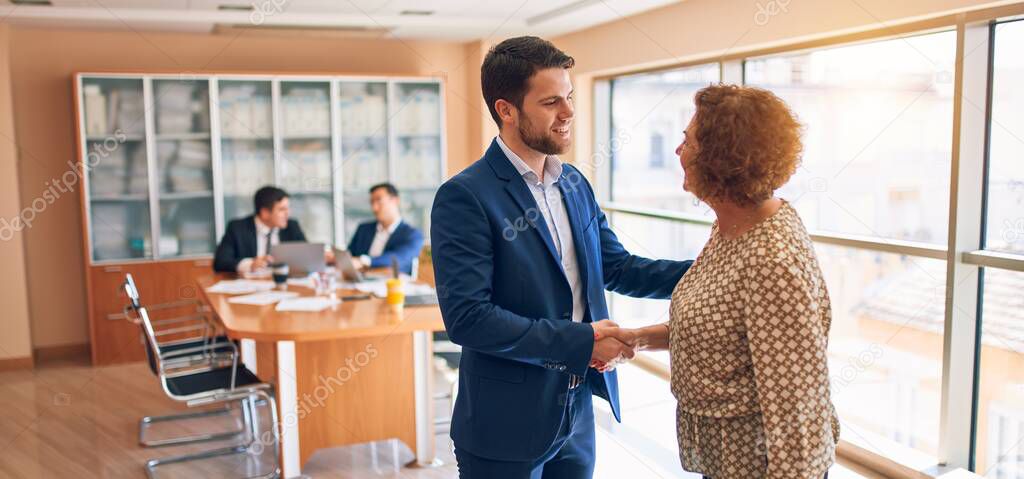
point(181, 111)
point(305, 166)
point(114, 124)
point(417, 141)
point(364, 147)
point(247, 143)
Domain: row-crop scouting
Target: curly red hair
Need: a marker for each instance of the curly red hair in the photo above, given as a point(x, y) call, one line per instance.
point(748, 144)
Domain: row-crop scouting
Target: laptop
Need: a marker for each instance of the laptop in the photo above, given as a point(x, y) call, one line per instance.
point(302, 258)
point(343, 261)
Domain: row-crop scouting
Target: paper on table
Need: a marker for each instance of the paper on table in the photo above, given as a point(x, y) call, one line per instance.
point(240, 286)
point(308, 303)
point(264, 298)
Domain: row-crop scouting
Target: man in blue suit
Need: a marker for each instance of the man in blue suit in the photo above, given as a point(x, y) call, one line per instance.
point(522, 256)
point(376, 243)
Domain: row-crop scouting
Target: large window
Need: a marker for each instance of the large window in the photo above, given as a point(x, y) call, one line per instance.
point(878, 138)
point(1000, 438)
point(876, 189)
point(649, 112)
point(1005, 220)
point(999, 448)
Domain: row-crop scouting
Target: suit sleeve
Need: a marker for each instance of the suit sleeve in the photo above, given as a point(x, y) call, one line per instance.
point(352, 242)
point(463, 256)
point(405, 250)
point(226, 258)
point(299, 235)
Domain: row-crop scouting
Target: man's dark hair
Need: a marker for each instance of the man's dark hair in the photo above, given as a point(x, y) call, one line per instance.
point(509, 65)
point(387, 187)
point(267, 197)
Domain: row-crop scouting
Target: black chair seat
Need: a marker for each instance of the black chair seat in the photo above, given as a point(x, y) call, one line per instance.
point(219, 378)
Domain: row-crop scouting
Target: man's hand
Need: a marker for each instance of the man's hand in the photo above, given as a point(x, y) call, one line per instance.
point(358, 265)
point(261, 262)
point(329, 256)
point(612, 345)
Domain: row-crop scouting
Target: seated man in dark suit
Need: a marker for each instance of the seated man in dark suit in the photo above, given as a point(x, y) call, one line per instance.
point(246, 244)
point(377, 242)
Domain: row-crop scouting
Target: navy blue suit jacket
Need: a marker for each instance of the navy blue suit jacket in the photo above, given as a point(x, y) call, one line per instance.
point(405, 244)
point(506, 301)
point(239, 242)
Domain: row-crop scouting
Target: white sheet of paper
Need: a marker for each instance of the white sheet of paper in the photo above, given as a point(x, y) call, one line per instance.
point(307, 304)
point(240, 286)
point(264, 298)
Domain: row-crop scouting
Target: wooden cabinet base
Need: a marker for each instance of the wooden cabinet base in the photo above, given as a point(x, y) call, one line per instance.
point(113, 338)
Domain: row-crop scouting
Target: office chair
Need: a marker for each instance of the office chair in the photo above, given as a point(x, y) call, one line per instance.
point(189, 331)
point(206, 384)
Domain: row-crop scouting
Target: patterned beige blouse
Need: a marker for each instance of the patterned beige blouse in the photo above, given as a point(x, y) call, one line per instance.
point(747, 336)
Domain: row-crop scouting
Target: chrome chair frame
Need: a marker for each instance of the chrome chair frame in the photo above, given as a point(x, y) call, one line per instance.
point(248, 396)
point(198, 321)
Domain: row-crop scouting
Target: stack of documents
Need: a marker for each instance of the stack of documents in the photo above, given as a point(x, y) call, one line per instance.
point(264, 298)
point(307, 304)
point(241, 286)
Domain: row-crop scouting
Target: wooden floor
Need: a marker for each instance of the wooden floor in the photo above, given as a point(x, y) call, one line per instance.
point(67, 419)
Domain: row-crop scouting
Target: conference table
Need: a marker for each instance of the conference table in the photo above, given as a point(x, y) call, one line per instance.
point(354, 373)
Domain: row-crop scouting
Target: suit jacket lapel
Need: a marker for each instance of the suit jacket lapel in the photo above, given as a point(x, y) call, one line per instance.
point(570, 196)
point(531, 216)
point(249, 238)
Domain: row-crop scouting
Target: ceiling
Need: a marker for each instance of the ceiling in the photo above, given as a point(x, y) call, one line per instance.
point(426, 19)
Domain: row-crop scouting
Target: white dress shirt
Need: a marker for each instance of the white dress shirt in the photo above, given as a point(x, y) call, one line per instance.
point(262, 230)
point(380, 240)
point(549, 201)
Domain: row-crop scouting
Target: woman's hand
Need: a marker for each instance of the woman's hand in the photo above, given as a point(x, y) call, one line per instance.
point(653, 338)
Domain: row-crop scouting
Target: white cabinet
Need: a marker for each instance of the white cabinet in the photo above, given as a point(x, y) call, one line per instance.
point(169, 160)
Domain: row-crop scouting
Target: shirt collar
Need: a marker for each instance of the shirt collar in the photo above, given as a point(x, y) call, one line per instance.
point(392, 228)
point(552, 165)
point(262, 229)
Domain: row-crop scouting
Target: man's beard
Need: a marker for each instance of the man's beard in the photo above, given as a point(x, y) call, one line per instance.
point(539, 142)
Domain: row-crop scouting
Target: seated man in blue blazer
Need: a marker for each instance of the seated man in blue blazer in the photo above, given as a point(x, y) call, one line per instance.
point(522, 257)
point(246, 244)
point(376, 243)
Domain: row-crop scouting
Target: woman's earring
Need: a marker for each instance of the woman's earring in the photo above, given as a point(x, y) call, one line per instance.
point(696, 201)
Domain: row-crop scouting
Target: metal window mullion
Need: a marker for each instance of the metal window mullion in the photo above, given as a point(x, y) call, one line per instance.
point(994, 259)
point(275, 124)
point(732, 71)
point(152, 164)
point(336, 164)
point(392, 109)
point(602, 169)
point(215, 156)
point(959, 354)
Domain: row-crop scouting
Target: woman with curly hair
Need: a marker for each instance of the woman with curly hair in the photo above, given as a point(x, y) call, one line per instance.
point(749, 322)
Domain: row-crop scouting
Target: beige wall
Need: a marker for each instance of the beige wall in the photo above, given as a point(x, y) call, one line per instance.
point(43, 61)
point(14, 320)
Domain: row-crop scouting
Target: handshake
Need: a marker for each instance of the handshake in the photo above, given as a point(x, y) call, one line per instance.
point(614, 345)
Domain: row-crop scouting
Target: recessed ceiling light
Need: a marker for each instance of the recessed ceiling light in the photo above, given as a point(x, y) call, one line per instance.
point(33, 3)
point(419, 13)
point(236, 8)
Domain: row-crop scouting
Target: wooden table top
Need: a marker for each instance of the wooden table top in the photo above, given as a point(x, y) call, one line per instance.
point(350, 319)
